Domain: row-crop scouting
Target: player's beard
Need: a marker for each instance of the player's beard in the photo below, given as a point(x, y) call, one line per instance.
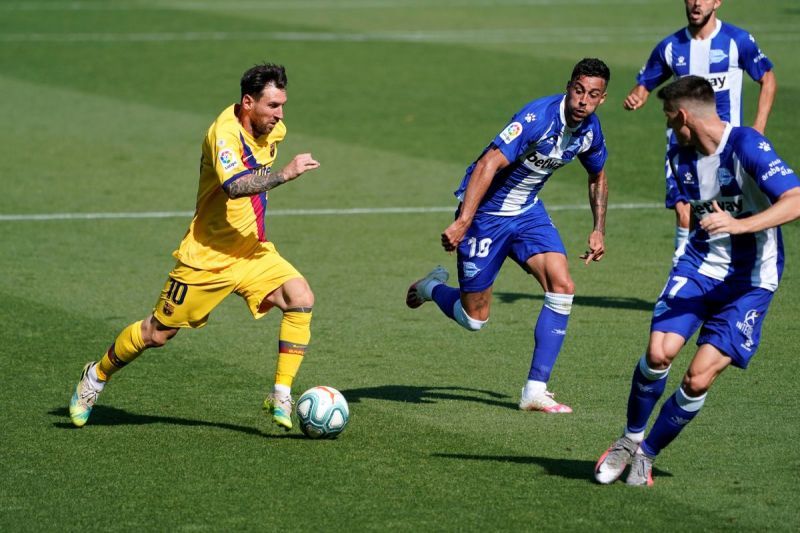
point(702, 21)
point(262, 129)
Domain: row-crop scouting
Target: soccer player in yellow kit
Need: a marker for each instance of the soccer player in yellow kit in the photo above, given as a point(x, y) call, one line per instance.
point(226, 249)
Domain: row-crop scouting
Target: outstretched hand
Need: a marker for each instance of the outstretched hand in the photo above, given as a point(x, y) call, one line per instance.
point(636, 98)
point(300, 164)
point(597, 248)
point(720, 222)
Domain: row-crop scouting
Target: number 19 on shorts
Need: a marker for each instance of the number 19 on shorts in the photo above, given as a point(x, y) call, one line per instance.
point(479, 248)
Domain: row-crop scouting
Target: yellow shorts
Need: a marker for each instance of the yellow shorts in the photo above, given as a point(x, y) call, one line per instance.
point(190, 294)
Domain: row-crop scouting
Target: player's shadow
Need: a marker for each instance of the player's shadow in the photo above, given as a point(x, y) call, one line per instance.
point(604, 302)
point(568, 468)
point(412, 394)
point(111, 416)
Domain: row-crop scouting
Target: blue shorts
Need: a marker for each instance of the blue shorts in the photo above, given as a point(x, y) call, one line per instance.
point(731, 313)
point(491, 238)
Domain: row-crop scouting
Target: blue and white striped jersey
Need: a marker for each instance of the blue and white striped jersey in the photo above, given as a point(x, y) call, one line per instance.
point(537, 142)
point(720, 59)
point(744, 176)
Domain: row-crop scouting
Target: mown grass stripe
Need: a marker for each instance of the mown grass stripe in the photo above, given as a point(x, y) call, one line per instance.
point(288, 212)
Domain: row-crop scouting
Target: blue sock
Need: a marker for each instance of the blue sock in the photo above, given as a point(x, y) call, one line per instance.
point(551, 327)
point(647, 386)
point(676, 412)
point(445, 297)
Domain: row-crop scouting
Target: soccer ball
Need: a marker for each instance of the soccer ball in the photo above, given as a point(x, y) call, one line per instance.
point(323, 412)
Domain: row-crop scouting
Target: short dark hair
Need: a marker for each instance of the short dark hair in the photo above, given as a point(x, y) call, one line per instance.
point(591, 67)
point(693, 88)
point(256, 78)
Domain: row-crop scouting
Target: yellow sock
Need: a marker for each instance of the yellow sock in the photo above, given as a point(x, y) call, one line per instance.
point(126, 348)
point(294, 338)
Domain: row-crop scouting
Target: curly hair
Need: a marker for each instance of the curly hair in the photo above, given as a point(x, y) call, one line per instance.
point(591, 67)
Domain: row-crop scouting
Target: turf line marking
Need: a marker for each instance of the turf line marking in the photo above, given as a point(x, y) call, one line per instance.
point(290, 212)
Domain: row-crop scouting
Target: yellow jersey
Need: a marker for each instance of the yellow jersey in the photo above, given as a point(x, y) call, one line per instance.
point(224, 230)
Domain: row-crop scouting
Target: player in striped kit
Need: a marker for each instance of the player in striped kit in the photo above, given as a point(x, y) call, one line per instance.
point(500, 215)
point(740, 192)
point(719, 52)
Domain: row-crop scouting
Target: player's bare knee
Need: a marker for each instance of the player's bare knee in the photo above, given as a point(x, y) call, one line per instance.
point(468, 322)
point(161, 337)
point(305, 300)
point(300, 295)
point(696, 384)
point(155, 334)
point(657, 358)
point(563, 287)
point(661, 351)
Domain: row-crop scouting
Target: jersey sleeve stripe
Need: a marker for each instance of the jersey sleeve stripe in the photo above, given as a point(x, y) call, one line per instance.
point(233, 178)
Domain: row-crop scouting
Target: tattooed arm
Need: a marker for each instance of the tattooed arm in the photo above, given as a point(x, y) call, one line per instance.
point(258, 182)
point(598, 201)
point(255, 183)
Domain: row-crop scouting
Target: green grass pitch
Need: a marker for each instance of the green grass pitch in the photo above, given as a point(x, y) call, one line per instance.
point(104, 105)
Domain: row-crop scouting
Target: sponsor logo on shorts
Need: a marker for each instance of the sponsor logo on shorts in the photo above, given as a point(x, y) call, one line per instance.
point(661, 308)
point(746, 327)
point(227, 159)
point(511, 132)
point(470, 270)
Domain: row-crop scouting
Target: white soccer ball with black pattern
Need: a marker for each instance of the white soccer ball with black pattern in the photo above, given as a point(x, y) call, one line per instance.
point(323, 412)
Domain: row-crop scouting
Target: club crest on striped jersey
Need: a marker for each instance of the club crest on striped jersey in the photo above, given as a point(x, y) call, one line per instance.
point(717, 56)
point(724, 176)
